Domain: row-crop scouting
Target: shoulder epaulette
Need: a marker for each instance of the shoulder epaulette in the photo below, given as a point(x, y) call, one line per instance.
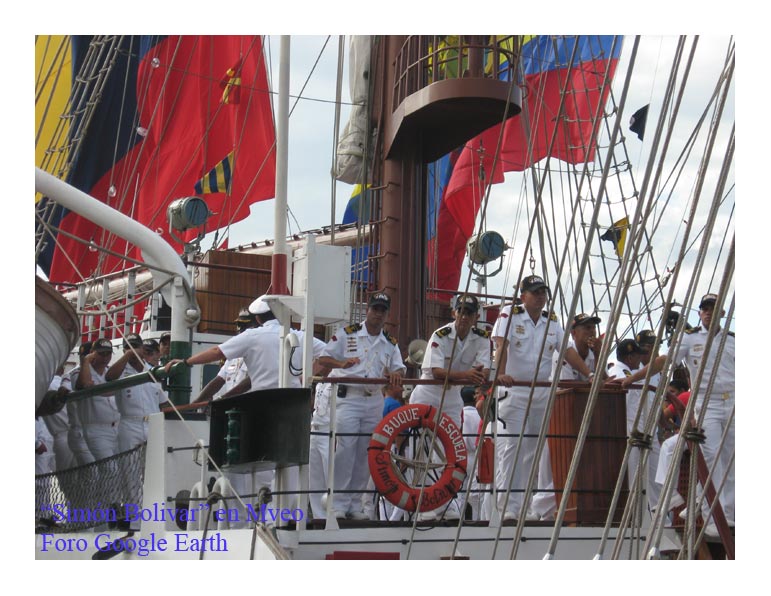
point(552, 316)
point(693, 330)
point(353, 328)
point(517, 310)
point(481, 332)
point(390, 338)
point(444, 331)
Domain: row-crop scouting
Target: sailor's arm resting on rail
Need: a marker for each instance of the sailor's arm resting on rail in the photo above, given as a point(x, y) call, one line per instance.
point(655, 366)
point(476, 375)
point(213, 354)
point(211, 388)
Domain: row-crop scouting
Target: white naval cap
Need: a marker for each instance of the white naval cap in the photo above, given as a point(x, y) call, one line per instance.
point(259, 306)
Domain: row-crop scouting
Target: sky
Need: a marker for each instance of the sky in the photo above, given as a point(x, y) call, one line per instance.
point(310, 161)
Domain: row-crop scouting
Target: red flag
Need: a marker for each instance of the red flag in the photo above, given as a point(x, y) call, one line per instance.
point(193, 124)
point(192, 100)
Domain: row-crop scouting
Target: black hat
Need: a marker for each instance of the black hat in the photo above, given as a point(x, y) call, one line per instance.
point(626, 347)
point(132, 339)
point(532, 283)
point(646, 337)
point(467, 301)
point(381, 299)
point(165, 337)
point(707, 298)
point(584, 319)
point(151, 344)
point(102, 345)
point(245, 318)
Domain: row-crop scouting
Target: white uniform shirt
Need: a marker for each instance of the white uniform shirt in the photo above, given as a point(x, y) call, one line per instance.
point(260, 347)
point(619, 370)
point(471, 351)
point(232, 372)
point(567, 372)
point(692, 351)
point(526, 341)
point(378, 355)
point(58, 422)
point(98, 409)
point(140, 400)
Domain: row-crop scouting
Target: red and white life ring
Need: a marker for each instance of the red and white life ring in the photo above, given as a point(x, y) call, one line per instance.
point(389, 481)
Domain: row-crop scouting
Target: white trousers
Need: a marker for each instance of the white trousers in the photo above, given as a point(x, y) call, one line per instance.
point(318, 464)
point(512, 413)
point(355, 414)
point(62, 453)
point(131, 433)
point(651, 487)
point(77, 444)
point(102, 439)
point(452, 406)
point(544, 502)
point(665, 457)
point(44, 462)
point(715, 422)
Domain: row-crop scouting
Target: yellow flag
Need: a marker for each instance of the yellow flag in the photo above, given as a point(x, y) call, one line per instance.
point(617, 235)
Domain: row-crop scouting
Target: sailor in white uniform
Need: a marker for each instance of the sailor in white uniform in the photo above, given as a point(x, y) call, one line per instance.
point(585, 342)
point(532, 333)
point(233, 372)
point(719, 370)
point(259, 347)
point(98, 414)
point(75, 439)
point(646, 339)
point(470, 361)
point(628, 355)
point(136, 403)
point(58, 425)
point(470, 364)
point(365, 351)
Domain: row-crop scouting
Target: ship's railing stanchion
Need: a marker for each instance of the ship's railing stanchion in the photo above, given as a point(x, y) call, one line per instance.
point(331, 519)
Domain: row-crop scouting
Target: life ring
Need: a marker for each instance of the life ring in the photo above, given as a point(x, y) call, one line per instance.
point(388, 479)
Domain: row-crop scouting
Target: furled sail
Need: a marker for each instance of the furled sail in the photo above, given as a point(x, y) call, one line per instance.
point(353, 141)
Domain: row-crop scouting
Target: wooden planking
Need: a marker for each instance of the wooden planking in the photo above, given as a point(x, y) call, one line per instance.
point(601, 457)
point(221, 293)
